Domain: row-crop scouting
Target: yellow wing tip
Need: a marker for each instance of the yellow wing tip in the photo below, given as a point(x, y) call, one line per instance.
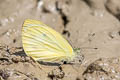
point(32, 21)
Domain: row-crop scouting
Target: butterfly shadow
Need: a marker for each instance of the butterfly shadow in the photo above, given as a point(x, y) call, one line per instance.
point(55, 63)
point(49, 63)
point(20, 53)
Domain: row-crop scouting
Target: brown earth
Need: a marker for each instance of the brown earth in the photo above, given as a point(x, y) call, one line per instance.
point(92, 25)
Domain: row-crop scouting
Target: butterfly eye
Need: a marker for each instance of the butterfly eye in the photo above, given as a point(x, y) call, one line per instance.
point(44, 35)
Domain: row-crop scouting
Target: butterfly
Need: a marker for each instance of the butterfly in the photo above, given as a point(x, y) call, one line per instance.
point(42, 43)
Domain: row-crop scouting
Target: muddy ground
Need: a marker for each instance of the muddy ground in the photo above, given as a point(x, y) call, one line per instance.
point(92, 25)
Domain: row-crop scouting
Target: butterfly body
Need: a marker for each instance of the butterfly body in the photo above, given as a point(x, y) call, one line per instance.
point(43, 43)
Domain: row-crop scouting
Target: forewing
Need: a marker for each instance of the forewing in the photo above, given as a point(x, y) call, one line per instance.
point(43, 43)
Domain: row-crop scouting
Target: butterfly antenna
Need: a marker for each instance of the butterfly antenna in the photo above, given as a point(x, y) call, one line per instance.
point(88, 48)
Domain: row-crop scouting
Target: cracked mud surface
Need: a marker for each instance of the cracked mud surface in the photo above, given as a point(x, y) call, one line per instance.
point(92, 25)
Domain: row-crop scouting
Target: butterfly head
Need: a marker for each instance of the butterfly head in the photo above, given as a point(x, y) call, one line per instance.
point(77, 50)
point(78, 56)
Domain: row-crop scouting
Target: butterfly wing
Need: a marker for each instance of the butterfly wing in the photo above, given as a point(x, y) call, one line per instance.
point(43, 43)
